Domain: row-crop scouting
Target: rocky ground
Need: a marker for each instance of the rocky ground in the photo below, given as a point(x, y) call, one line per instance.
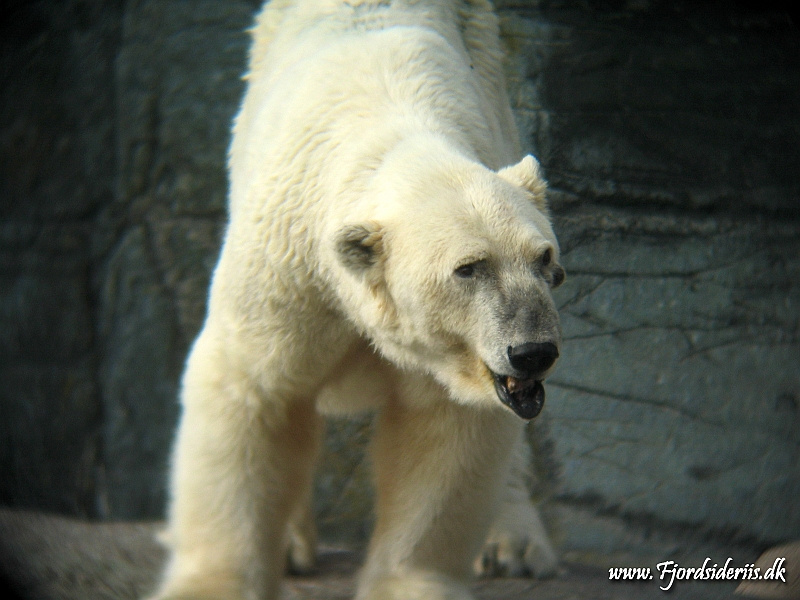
point(52, 558)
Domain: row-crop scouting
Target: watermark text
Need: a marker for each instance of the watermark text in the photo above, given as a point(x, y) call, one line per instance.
point(670, 571)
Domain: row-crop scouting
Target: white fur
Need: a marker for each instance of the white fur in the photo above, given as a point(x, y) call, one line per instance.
point(389, 118)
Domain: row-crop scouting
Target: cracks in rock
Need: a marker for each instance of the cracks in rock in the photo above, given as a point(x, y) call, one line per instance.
point(666, 274)
point(747, 311)
point(662, 404)
point(666, 405)
point(755, 339)
point(582, 293)
point(650, 524)
point(644, 275)
point(751, 341)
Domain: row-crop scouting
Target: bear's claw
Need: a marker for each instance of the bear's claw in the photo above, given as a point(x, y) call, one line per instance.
point(517, 545)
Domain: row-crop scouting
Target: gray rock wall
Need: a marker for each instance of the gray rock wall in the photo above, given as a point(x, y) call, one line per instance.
point(671, 141)
point(57, 172)
point(177, 82)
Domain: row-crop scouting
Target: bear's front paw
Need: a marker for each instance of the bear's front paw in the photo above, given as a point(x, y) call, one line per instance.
point(517, 546)
point(414, 586)
point(192, 581)
point(302, 552)
point(194, 594)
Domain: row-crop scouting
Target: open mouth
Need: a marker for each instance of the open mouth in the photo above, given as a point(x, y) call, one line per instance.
point(524, 396)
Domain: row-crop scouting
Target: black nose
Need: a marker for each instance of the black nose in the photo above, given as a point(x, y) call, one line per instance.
point(533, 358)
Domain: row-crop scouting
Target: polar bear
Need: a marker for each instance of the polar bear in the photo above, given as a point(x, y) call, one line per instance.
point(380, 253)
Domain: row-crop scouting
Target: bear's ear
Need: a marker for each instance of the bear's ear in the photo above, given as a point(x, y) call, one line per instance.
point(359, 247)
point(526, 174)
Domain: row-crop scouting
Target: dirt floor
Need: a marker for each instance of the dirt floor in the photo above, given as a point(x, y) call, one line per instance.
point(53, 558)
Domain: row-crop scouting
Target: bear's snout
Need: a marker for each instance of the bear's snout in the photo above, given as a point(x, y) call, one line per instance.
point(531, 358)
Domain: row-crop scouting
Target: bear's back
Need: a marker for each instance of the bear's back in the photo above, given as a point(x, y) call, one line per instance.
point(287, 31)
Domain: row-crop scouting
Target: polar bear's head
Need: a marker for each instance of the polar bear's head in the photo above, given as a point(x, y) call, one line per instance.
point(453, 273)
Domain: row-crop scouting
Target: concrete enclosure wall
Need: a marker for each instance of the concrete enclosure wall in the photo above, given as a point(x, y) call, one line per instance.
point(671, 140)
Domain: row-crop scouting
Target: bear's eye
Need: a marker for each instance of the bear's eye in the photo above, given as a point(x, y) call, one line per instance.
point(547, 257)
point(466, 271)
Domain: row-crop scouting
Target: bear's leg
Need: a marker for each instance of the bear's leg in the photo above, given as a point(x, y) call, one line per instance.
point(302, 531)
point(243, 461)
point(439, 467)
point(517, 543)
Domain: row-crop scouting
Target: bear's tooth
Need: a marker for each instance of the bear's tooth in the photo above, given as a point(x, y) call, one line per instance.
point(512, 384)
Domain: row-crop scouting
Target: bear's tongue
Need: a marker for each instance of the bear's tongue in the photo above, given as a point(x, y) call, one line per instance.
point(524, 396)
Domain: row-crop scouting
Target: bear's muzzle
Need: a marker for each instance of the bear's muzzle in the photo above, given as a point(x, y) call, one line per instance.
point(525, 394)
